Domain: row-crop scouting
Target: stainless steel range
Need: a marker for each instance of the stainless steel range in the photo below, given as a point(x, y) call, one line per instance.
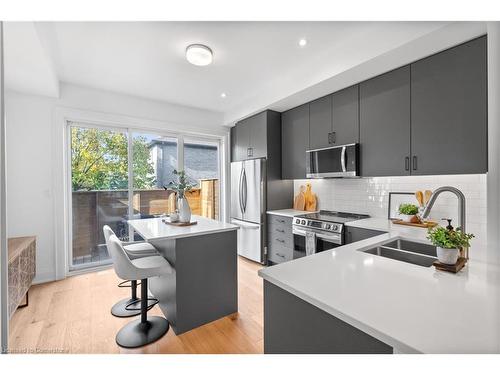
point(320, 231)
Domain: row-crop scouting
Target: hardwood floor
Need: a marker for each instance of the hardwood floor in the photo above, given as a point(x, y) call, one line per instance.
point(73, 316)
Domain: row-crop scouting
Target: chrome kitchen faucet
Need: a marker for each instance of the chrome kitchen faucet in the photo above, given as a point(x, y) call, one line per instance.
point(461, 204)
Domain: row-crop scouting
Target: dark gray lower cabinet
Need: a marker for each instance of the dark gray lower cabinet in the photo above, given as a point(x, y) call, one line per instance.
point(449, 114)
point(294, 326)
point(354, 234)
point(279, 238)
point(294, 142)
point(384, 111)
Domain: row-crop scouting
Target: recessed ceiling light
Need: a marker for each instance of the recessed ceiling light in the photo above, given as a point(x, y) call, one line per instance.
point(223, 95)
point(199, 54)
point(303, 42)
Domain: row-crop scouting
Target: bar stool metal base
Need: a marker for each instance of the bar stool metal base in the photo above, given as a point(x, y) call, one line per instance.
point(136, 333)
point(119, 309)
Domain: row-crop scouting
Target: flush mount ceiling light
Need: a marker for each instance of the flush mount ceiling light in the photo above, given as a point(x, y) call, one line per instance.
point(223, 95)
point(303, 42)
point(199, 54)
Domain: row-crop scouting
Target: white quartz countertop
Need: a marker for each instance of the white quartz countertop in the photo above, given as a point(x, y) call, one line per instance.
point(412, 308)
point(290, 212)
point(155, 228)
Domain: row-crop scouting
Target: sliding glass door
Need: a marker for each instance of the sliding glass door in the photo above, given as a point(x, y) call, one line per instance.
point(99, 191)
point(201, 163)
point(118, 173)
point(154, 158)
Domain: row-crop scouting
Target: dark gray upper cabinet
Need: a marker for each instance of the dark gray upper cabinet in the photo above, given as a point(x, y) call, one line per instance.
point(241, 141)
point(294, 142)
point(250, 137)
point(334, 119)
point(320, 122)
point(449, 111)
point(258, 135)
point(385, 124)
point(345, 116)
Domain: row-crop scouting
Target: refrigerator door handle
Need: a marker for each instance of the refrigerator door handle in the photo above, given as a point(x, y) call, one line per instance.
point(245, 192)
point(245, 225)
point(240, 191)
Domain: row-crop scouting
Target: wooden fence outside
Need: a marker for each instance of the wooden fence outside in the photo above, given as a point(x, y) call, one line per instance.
point(94, 209)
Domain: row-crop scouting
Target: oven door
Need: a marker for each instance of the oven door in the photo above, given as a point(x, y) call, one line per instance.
point(324, 241)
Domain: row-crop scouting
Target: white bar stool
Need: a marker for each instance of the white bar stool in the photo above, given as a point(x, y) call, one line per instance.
point(145, 330)
point(134, 250)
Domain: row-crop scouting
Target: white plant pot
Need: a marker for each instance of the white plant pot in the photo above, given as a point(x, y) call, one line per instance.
point(447, 256)
point(406, 218)
point(184, 210)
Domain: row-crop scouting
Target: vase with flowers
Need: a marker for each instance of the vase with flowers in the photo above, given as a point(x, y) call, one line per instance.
point(180, 187)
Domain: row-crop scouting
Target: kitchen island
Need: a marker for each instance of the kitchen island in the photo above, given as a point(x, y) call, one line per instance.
point(346, 301)
point(203, 286)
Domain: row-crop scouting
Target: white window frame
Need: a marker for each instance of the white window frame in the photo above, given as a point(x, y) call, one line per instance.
point(62, 163)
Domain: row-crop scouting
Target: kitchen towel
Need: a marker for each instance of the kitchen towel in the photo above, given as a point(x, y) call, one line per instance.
point(310, 243)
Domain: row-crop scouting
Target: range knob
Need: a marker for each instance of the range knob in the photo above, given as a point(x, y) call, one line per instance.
point(303, 222)
point(335, 227)
point(297, 221)
point(327, 226)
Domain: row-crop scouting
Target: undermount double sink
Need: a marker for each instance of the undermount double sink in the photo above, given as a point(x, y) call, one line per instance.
point(405, 251)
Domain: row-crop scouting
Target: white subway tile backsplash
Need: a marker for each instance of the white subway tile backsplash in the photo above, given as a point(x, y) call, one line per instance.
point(370, 196)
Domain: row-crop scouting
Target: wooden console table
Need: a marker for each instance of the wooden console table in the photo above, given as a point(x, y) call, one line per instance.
point(22, 269)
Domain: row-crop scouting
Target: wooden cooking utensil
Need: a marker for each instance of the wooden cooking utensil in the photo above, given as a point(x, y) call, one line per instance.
point(427, 196)
point(300, 200)
point(420, 198)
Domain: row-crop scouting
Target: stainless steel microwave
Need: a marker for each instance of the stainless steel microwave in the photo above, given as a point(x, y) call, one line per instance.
point(336, 161)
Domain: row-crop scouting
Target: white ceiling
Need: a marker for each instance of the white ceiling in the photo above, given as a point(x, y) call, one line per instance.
point(255, 63)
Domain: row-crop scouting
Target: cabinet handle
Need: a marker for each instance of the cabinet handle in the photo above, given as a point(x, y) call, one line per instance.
point(280, 221)
point(280, 240)
point(414, 163)
point(280, 230)
point(407, 163)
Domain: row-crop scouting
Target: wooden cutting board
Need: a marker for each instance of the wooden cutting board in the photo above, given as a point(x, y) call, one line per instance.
point(299, 202)
point(179, 224)
point(311, 200)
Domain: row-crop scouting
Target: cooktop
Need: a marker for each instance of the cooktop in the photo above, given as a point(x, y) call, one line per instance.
point(333, 216)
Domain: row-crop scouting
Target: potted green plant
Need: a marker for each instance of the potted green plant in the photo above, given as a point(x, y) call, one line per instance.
point(408, 212)
point(448, 243)
point(180, 187)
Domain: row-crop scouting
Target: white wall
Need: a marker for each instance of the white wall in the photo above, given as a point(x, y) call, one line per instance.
point(31, 168)
point(370, 196)
point(4, 315)
point(494, 141)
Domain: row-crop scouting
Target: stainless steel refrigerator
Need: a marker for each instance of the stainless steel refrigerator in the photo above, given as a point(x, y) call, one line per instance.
point(248, 206)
